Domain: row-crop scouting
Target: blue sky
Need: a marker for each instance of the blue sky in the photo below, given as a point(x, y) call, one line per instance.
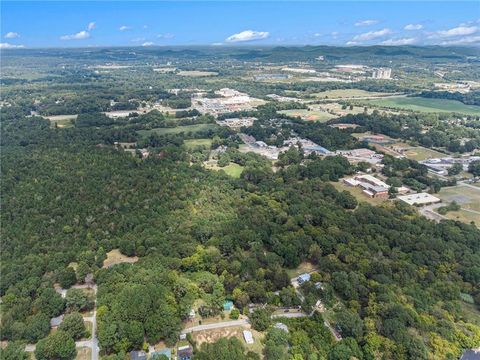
point(138, 23)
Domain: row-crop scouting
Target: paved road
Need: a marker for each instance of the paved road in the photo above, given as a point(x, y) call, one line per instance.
point(93, 342)
point(219, 325)
point(429, 212)
point(463, 183)
point(289, 315)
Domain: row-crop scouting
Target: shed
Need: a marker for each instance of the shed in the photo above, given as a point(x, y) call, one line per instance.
point(304, 278)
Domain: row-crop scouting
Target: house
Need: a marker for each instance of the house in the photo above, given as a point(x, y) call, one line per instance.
point(191, 314)
point(138, 355)
point(303, 278)
point(247, 335)
point(228, 305)
point(184, 352)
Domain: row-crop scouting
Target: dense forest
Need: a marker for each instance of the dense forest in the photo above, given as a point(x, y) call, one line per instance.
point(395, 284)
point(396, 279)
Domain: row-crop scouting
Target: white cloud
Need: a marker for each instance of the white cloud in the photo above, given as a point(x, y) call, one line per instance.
point(10, 46)
point(398, 42)
point(78, 36)
point(91, 25)
point(458, 31)
point(11, 35)
point(467, 40)
point(371, 35)
point(335, 34)
point(411, 27)
point(366, 22)
point(148, 43)
point(351, 43)
point(248, 35)
point(165, 36)
point(124, 28)
point(217, 44)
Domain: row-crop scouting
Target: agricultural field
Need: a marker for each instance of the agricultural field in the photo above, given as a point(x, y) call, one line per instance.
point(178, 129)
point(426, 105)
point(310, 115)
point(115, 257)
point(196, 143)
point(347, 93)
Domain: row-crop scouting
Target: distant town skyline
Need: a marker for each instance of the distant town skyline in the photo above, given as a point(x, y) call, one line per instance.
point(32, 24)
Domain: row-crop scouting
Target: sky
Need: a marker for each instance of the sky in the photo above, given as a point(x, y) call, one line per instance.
point(34, 24)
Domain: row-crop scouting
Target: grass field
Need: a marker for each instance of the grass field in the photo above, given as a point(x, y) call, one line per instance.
point(62, 121)
point(426, 105)
point(311, 115)
point(419, 153)
point(346, 93)
point(468, 198)
point(115, 257)
point(178, 129)
point(209, 336)
point(358, 194)
point(232, 169)
point(302, 268)
point(84, 353)
point(195, 143)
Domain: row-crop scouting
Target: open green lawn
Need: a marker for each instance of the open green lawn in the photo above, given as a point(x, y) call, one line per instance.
point(357, 193)
point(194, 143)
point(62, 121)
point(232, 169)
point(420, 153)
point(311, 115)
point(468, 198)
point(178, 129)
point(346, 93)
point(426, 105)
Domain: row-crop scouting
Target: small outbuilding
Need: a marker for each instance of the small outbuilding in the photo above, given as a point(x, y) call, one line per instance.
point(247, 335)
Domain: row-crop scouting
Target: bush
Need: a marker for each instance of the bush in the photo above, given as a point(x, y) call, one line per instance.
point(234, 314)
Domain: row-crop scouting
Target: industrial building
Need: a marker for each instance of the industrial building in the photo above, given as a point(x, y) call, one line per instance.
point(420, 199)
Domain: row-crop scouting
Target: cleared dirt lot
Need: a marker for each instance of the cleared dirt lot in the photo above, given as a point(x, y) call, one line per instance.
point(115, 257)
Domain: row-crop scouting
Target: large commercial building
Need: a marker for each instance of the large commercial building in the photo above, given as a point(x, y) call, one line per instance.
point(419, 199)
point(382, 73)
